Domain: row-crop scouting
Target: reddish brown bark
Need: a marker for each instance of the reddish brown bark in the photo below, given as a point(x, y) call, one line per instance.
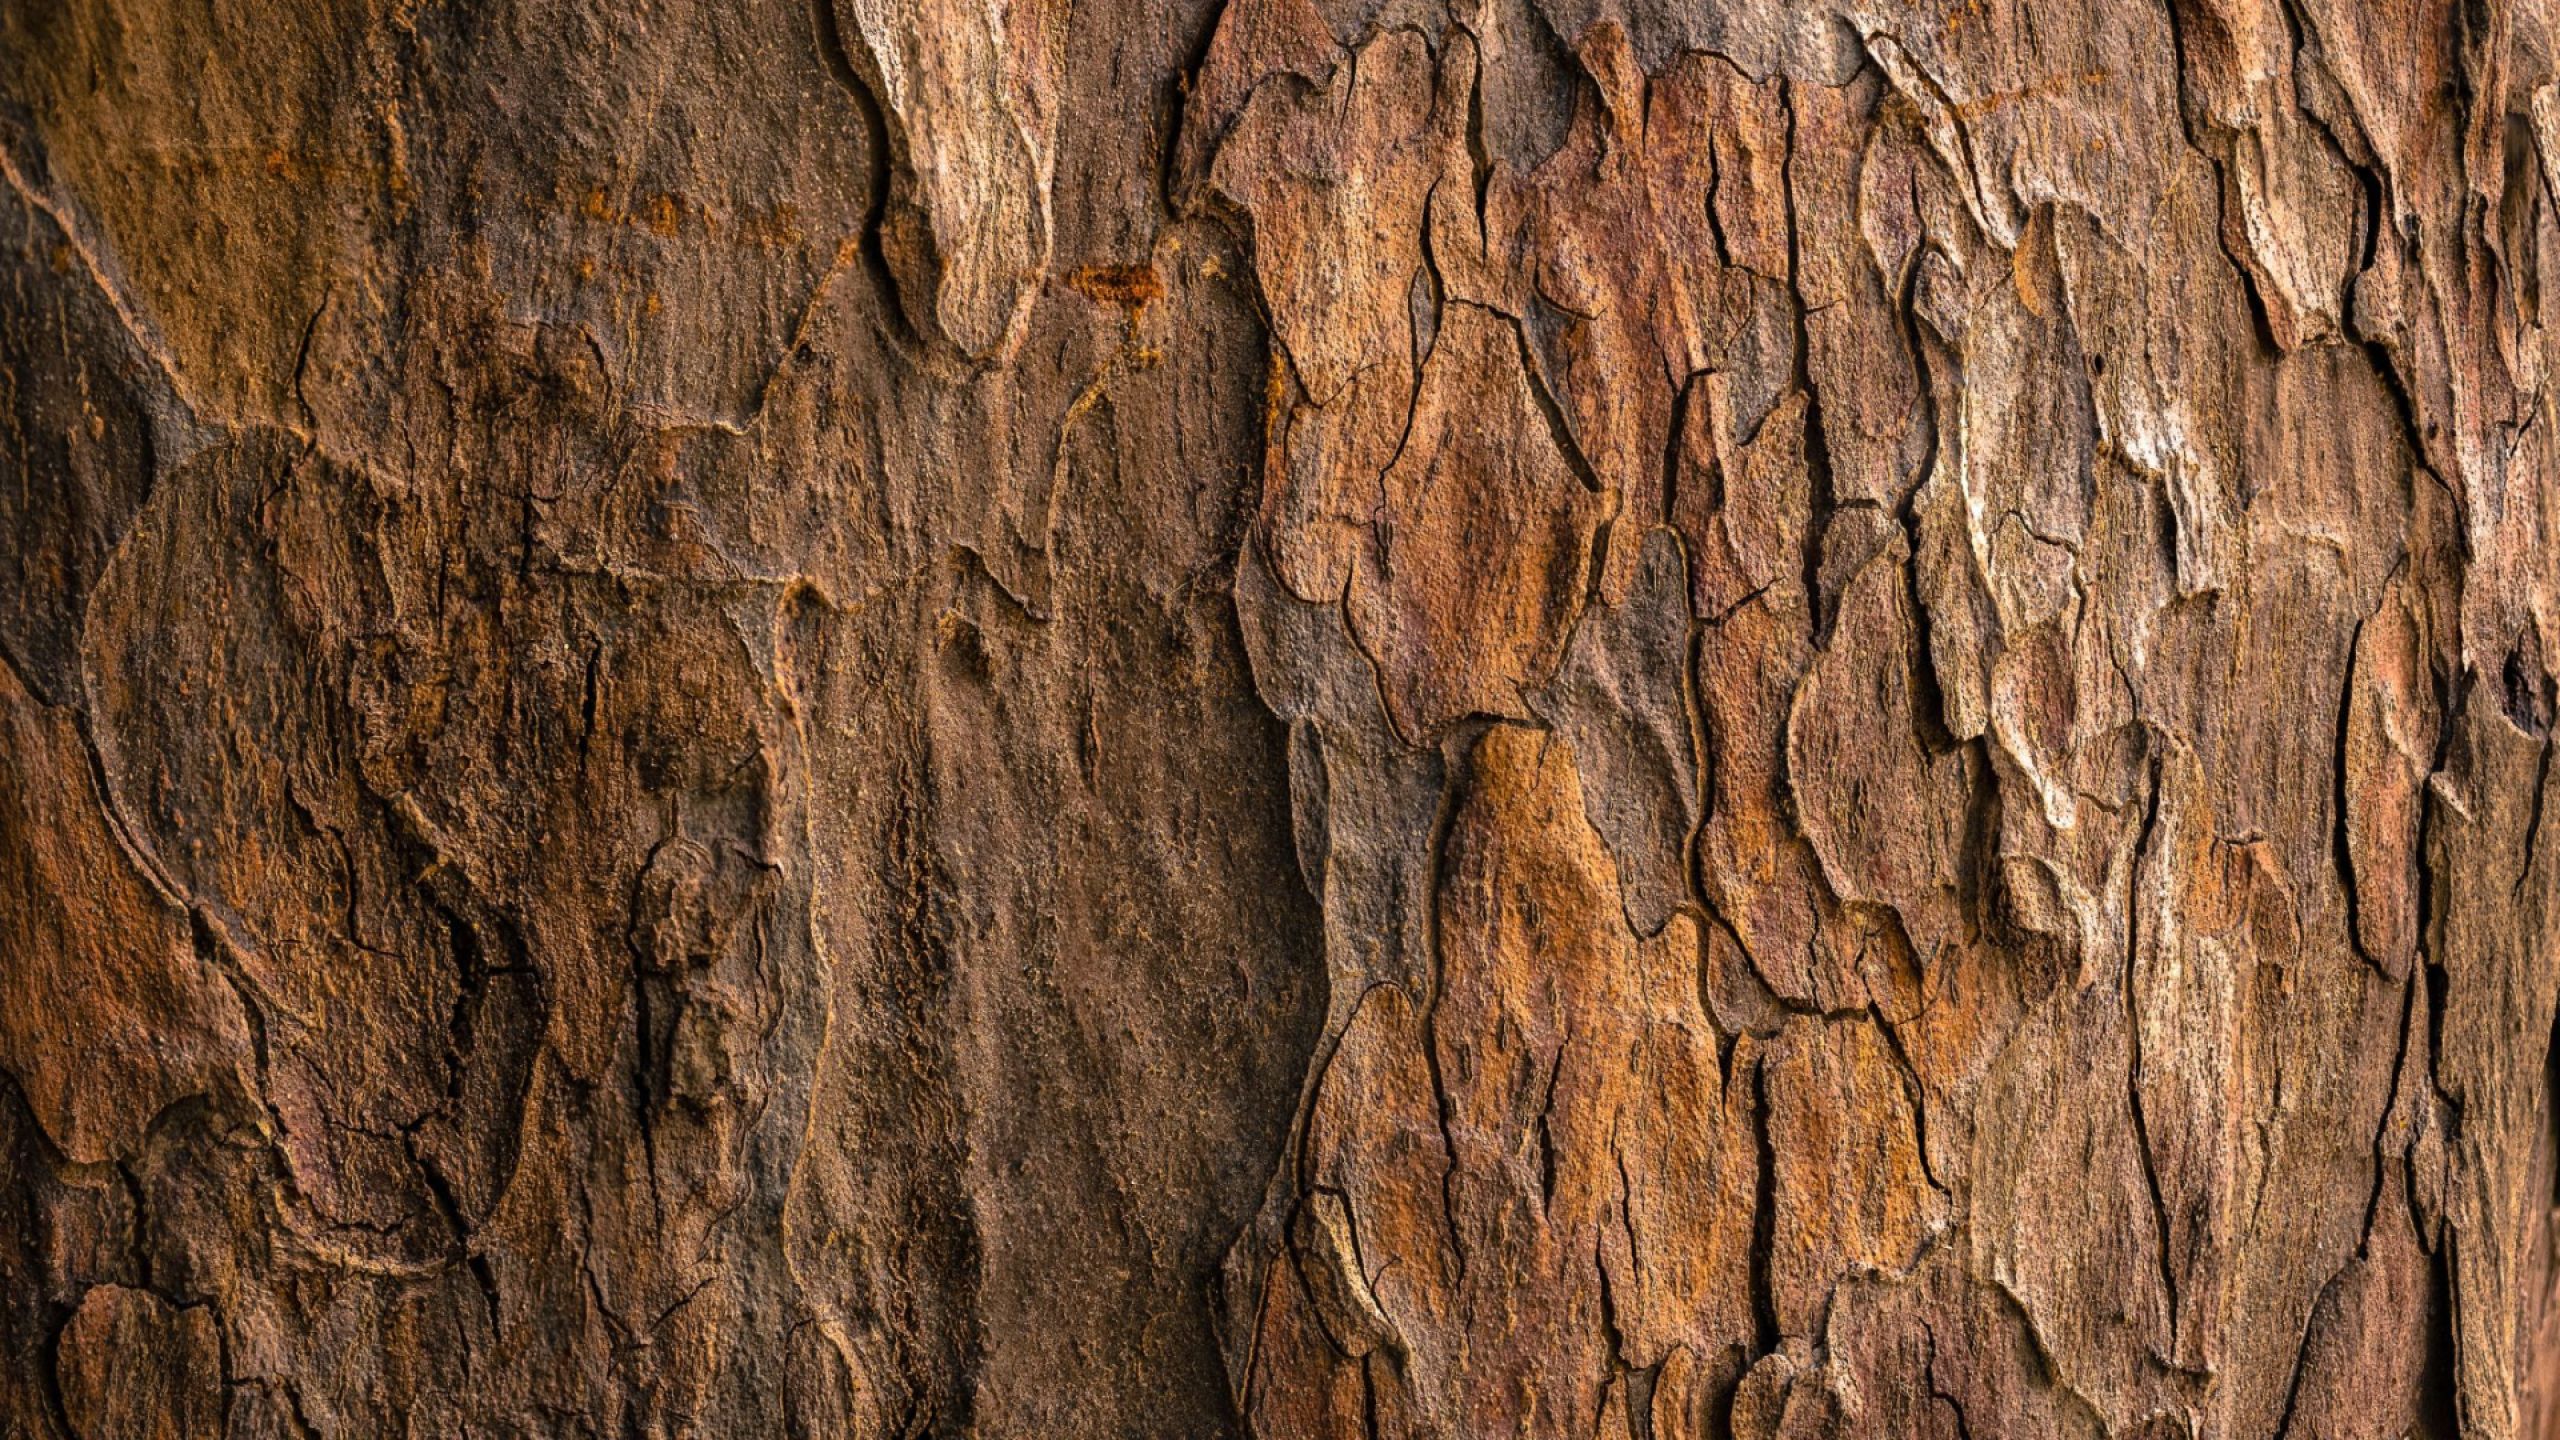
point(1282, 717)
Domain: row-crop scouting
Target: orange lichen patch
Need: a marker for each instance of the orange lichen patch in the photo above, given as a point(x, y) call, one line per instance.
point(771, 229)
point(666, 215)
point(209, 159)
point(1971, 12)
point(1128, 286)
point(296, 166)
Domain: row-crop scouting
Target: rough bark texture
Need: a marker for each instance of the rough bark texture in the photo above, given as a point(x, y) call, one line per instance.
point(1306, 718)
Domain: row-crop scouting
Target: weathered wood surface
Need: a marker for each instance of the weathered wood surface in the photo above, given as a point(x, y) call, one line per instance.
point(1287, 717)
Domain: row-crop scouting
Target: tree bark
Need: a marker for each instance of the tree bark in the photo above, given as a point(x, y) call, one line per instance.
point(1293, 718)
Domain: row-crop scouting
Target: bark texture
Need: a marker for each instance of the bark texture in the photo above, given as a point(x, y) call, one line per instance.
point(1299, 718)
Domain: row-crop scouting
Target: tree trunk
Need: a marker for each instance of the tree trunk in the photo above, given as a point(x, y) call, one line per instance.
point(1295, 718)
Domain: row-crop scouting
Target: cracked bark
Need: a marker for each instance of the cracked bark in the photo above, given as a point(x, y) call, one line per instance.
point(1278, 717)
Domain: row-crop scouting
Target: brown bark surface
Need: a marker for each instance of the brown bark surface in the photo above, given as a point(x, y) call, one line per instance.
point(1297, 718)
